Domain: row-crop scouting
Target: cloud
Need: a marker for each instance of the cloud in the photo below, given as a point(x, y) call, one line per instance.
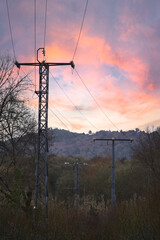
point(135, 68)
point(151, 124)
point(59, 102)
point(78, 126)
point(83, 108)
point(127, 101)
point(117, 56)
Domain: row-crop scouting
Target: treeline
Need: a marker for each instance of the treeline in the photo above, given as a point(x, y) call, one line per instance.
point(95, 180)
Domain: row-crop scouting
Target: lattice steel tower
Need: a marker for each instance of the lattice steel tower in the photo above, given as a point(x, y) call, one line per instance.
point(41, 185)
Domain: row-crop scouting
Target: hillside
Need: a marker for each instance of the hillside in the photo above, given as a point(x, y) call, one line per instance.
point(63, 142)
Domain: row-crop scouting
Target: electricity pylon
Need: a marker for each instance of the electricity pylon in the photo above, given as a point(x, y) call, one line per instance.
point(41, 189)
point(113, 193)
point(76, 165)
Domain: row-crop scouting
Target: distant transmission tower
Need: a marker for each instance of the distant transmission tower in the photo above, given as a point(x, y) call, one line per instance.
point(76, 165)
point(41, 189)
point(113, 140)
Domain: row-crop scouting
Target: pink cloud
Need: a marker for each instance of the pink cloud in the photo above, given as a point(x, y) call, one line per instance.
point(151, 87)
point(78, 126)
point(135, 67)
point(150, 124)
point(60, 102)
point(128, 102)
point(131, 51)
point(87, 53)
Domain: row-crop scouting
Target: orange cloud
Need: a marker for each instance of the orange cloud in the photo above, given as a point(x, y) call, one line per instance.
point(136, 69)
point(88, 51)
point(150, 124)
point(78, 126)
point(57, 53)
point(60, 102)
point(129, 102)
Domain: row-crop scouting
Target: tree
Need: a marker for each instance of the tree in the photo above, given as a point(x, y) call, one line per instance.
point(147, 152)
point(17, 125)
point(11, 84)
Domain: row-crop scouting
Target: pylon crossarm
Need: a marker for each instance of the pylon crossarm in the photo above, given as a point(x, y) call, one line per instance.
point(37, 64)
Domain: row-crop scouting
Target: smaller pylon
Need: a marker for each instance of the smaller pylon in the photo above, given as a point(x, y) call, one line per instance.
point(113, 192)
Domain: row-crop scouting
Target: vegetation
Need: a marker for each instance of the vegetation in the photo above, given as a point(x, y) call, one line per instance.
point(136, 214)
point(17, 134)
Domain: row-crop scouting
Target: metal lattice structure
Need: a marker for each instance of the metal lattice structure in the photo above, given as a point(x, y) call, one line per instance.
point(41, 185)
point(42, 141)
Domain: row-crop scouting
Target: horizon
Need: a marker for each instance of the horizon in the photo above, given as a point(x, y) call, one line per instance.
point(150, 130)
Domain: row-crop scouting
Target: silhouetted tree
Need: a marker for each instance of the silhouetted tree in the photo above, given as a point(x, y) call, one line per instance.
point(17, 124)
point(147, 152)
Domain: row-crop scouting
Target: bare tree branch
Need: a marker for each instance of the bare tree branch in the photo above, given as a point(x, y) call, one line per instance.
point(17, 123)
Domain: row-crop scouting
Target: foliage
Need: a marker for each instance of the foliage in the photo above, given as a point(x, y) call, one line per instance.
point(135, 215)
point(17, 129)
point(11, 84)
point(146, 152)
point(95, 180)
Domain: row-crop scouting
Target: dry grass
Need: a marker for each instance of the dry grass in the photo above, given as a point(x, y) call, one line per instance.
point(134, 220)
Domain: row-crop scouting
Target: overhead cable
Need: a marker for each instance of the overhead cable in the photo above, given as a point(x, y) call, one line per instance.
point(59, 119)
point(35, 39)
point(45, 24)
point(74, 135)
point(95, 99)
point(10, 28)
point(80, 31)
point(74, 104)
point(62, 115)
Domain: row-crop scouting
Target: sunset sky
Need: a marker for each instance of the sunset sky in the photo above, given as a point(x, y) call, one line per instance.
point(118, 60)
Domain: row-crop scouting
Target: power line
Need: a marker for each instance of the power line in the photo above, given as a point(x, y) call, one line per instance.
point(45, 24)
point(59, 119)
point(73, 56)
point(81, 77)
point(10, 28)
point(95, 100)
point(62, 115)
point(35, 39)
point(27, 75)
point(85, 10)
point(63, 122)
point(74, 104)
